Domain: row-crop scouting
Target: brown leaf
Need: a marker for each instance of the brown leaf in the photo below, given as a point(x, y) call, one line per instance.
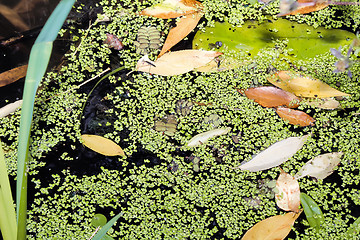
point(12, 75)
point(295, 117)
point(305, 6)
point(183, 27)
point(102, 145)
point(272, 228)
point(288, 196)
point(113, 42)
point(272, 97)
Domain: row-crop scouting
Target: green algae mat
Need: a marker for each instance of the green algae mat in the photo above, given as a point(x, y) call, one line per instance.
point(164, 188)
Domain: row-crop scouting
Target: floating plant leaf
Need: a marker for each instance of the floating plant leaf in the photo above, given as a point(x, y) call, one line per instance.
point(321, 166)
point(202, 138)
point(12, 75)
point(304, 40)
point(295, 117)
point(102, 145)
point(303, 86)
point(275, 155)
point(98, 220)
point(312, 211)
point(288, 196)
point(272, 228)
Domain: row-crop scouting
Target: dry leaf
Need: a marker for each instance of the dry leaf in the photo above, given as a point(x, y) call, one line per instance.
point(295, 117)
point(10, 108)
point(172, 9)
point(272, 97)
point(203, 137)
point(288, 196)
point(12, 75)
point(272, 228)
point(102, 145)
point(321, 166)
point(183, 27)
point(325, 103)
point(302, 6)
point(275, 155)
point(303, 86)
point(175, 63)
point(221, 63)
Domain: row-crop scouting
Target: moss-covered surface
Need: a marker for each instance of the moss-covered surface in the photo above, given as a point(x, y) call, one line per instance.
point(156, 188)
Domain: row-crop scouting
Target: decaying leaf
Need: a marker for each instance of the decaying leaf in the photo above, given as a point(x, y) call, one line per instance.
point(293, 7)
point(325, 103)
point(303, 86)
point(183, 27)
point(288, 196)
point(275, 155)
point(102, 145)
point(295, 117)
point(10, 108)
point(172, 9)
point(221, 63)
point(272, 97)
point(202, 138)
point(12, 75)
point(272, 228)
point(113, 42)
point(321, 166)
point(175, 63)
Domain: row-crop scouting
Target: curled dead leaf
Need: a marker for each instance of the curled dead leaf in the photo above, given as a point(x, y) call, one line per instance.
point(295, 117)
point(288, 195)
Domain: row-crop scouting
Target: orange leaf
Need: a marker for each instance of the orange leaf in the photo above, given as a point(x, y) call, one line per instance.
point(272, 228)
point(288, 196)
point(172, 9)
point(295, 117)
point(183, 27)
point(102, 145)
point(272, 97)
point(306, 6)
point(12, 75)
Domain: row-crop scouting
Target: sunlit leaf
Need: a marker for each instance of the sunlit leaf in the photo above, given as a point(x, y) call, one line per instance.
point(275, 155)
point(221, 63)
point(293, 7)
point(175, 63)
point(321, 166)
point(295, 117)
point(288, 195)
point(12, 75)
point(325, 103)
point(202, 138)
point(312, 211)
point(10, 108)
point(272, 228)
point(172, 8)
point(303, 86)
point(102, 145)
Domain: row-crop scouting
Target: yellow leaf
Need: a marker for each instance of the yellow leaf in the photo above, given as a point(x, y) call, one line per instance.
point(288, 195)
point(222, 63)
point(303, 86)
point(272, 228)
point(102, 145)
point(183, 27)
point(175, 63)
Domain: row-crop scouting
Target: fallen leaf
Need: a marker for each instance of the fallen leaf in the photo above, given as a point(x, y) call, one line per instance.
point(321, 166)
point(221, 63)
point(102, 145)
point(12, 75)
point(303, 86)
point(272, 97)
point(10, 108)
point(175, 63)
point(183, 27)
point(295, 117)
point(172, 9)
point(275, 155)
point(202, 138)
point(288, 195)
point(325, 103)
point(113, 42)
point(272, 228)
point(302, 6)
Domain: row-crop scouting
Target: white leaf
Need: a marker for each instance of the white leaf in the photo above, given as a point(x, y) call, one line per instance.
point(10, 108)
point(203, 137)
point(321, 166)
point(275, 155)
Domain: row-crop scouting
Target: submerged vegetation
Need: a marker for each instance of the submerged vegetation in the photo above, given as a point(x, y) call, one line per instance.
point(165, 188)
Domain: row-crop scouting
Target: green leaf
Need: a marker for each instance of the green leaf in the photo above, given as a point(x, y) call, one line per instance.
point(100, 235)
point(354, 229)
point(304, 40)
point(312, 211)
point(98, 220)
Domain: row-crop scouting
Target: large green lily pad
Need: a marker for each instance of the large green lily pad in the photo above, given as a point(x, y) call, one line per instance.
point(304, 41)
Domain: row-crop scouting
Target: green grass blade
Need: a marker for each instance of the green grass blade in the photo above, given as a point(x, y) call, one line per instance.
point(38, 62)
point(7, 217)
point(100, 234)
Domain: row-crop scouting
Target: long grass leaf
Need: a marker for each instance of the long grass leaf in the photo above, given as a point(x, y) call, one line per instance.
point(106, 227)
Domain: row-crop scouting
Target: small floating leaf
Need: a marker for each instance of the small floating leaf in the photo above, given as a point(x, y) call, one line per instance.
point(172, 8)
point(102, 145)
point(288, 195)
point(303, 86)
point(275, 155)
point(321, 166)
point(295, 117)
point(203, 137)
point(98, 220)
point(272, 228)
point(12, 75)
point(312, 211)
